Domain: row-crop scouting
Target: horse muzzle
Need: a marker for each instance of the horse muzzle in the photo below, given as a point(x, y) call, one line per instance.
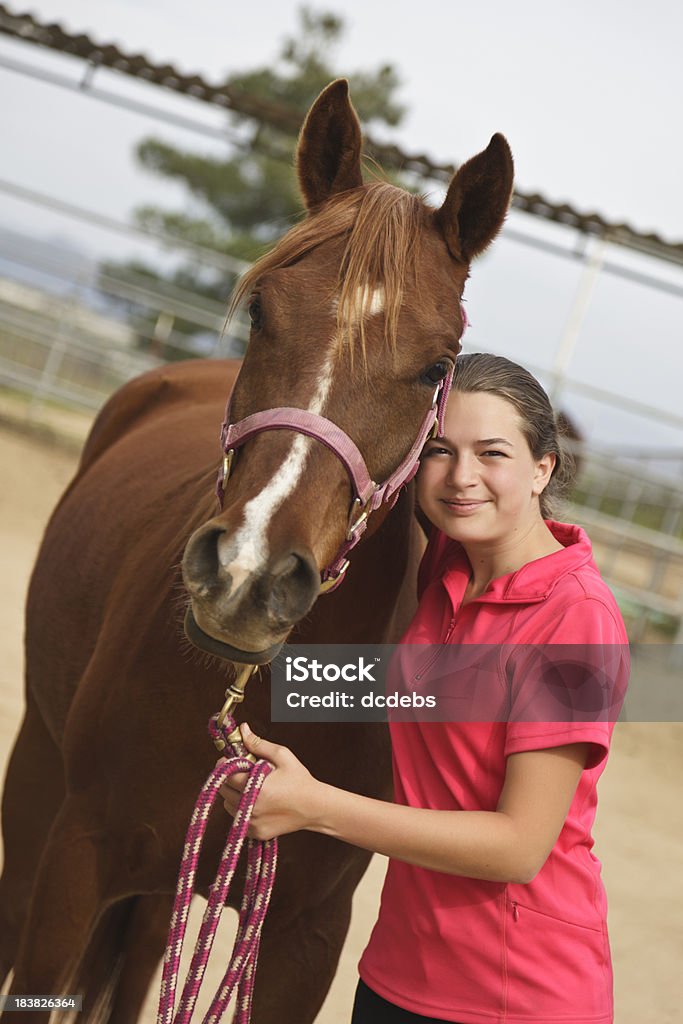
point(244, 611)
point(221, 649)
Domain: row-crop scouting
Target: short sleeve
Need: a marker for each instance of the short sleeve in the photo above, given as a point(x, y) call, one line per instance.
point(571, 687)
point(522, 738)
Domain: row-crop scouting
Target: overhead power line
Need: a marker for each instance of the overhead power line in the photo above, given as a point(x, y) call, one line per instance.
point(277, 115)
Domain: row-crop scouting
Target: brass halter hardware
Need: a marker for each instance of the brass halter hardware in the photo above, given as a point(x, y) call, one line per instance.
point(334, 580)
point(227, 464)
point(234, 695)
point(362, 509)
point(357, 518)
point(434, 432)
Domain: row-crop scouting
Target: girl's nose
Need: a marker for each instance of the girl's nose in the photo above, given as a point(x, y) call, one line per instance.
point(462, 471)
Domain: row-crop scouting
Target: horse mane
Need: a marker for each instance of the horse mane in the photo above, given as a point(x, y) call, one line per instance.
point(382, 223)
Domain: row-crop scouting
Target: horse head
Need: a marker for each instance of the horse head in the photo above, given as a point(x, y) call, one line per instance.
point(356, 319)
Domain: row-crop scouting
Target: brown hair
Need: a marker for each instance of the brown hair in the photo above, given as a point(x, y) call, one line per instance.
point(381, 222)
point(496, 375)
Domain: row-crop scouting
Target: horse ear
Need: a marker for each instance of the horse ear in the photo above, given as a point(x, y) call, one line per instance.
point(477, 200)
point(328, 155)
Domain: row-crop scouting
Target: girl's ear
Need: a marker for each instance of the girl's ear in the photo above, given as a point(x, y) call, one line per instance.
point(543, 472)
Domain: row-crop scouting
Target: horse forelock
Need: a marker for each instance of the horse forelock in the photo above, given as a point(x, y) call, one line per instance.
point(382, 224)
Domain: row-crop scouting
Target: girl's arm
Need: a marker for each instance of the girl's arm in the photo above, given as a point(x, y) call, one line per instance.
point(510, 844)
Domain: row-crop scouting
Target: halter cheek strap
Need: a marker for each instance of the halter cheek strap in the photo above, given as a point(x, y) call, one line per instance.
point(367, 494)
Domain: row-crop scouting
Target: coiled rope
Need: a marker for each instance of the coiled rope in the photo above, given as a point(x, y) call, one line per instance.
point(261, 864)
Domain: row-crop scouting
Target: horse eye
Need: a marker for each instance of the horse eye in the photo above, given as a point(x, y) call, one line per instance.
point(436, 373)
point(254, 311)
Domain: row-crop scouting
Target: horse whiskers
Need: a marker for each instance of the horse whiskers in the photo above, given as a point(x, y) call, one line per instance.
point(193, 656)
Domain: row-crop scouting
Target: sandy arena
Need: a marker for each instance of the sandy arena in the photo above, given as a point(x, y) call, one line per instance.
point(639, 832)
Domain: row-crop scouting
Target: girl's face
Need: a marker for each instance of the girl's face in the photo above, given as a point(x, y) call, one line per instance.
point(480, 483)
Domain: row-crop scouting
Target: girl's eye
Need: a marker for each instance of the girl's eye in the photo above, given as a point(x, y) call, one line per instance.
point(255, 312)
point(435, 450)
point(494, 452)
point(436, 373)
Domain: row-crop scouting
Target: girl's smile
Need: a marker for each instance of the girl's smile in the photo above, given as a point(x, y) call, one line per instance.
point(463, 506)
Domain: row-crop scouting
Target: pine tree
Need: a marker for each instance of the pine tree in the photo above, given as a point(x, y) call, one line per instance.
point(241, 203)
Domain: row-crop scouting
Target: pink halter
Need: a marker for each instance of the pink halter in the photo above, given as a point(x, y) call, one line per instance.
point(367, 495)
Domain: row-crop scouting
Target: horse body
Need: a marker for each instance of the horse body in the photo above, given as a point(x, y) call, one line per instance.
point(113, 748)
point(126, 707)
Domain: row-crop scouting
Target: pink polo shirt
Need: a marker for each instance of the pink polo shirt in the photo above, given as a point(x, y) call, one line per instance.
point(472, 951)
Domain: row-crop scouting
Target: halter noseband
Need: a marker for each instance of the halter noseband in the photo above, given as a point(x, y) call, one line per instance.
point(367, 495)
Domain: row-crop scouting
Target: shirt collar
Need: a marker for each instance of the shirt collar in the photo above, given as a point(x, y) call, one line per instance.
point(534, 581)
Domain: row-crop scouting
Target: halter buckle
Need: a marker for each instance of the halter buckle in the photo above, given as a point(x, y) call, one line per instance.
point(356, 504)
point(333, 581)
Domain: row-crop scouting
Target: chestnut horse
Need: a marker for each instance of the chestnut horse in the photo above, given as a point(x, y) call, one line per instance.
point(355, 313)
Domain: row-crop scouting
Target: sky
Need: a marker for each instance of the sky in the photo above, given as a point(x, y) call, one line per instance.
point(588, 95)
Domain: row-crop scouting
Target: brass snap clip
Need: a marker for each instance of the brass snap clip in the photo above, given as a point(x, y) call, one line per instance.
point(234, 695)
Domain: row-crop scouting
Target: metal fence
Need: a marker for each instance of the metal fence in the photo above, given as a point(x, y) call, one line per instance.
point(634, 517)
point(74, 340)
point(71, 332)
point(74, 332)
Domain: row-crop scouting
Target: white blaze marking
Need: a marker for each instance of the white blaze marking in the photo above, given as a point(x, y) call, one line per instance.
point(243, 553)
point(376, 304)
point(247, 549)
point(371, 302)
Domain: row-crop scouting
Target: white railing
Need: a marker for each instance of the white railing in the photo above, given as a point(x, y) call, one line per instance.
point(72, 342)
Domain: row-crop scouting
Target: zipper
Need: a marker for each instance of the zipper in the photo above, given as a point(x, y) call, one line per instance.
point(437, 653)
point(515, 911)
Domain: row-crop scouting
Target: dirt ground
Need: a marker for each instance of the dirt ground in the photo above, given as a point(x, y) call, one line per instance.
point(639, 832)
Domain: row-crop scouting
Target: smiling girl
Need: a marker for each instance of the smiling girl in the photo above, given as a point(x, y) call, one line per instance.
point(493, 909)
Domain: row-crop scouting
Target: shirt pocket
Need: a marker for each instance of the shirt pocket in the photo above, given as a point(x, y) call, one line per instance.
point(555, 969)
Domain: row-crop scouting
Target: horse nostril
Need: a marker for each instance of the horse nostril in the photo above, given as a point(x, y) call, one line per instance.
point(295, 582)
point(200, 562)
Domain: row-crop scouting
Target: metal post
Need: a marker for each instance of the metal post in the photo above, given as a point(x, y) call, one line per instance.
point(53, 363)
point(577, 314)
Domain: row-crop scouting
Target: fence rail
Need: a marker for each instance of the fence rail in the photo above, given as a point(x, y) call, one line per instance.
point(85, 332)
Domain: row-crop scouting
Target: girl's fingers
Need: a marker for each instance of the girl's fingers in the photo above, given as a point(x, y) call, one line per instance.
point(262, 748)
point(236, 782)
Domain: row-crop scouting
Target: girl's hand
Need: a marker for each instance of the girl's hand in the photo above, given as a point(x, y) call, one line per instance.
point(289, 797)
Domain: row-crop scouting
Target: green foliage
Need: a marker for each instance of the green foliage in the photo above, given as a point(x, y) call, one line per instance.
point(238, 205)
point(251, 197)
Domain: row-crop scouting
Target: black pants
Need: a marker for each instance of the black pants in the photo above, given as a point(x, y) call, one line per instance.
point(369, 1008)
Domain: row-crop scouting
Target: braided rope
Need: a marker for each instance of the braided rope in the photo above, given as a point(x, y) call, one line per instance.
point(261, 864)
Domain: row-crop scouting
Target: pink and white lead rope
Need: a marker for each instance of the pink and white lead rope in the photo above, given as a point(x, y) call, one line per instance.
point(261, 864)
